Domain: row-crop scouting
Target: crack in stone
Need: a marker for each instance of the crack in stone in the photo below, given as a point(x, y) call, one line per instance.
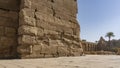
point(53, 10)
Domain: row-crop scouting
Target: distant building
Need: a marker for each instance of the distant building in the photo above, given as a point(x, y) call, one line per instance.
point(102, 44)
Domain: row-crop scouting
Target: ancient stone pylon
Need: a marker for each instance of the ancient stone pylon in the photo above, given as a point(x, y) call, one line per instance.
point(44, 28)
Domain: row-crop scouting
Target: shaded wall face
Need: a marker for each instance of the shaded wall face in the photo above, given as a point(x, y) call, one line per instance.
point(48, 28)
point(8, 28)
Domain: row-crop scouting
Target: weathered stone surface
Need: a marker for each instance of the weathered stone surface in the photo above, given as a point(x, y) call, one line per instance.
point(57, 29)
point(27, 39)
point(27, 17)
point(8, 18)
point(9, 4)
point(6, 41)
point(25, 4)
point(63, 51)
point(10, 32)
point(39, 28)
point(1, 30)
point(8, 28)
point(25, 49)
point(27, 30)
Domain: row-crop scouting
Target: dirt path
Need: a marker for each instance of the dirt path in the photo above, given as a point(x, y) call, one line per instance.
point(89, 61)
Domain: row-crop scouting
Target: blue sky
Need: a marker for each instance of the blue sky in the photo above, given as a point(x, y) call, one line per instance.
point(97, 17)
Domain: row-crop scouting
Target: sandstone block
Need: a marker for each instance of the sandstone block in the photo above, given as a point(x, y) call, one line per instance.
point(26, 4)
point(63, 51)
point(48, 56)
point(44, 49)
point(6, 41)
point(67, 6)
point(40, 32)
point(27, 30)
point(26, 20)
point(37, 49)
point(45, 25)
point(10, 32)
point(9, 19)
point(42, 9)
point(11, 14)
point(1, 30)
point(50, 32)
point(53, 49)
point(27, 39)
point(9, 4)
point(25, 49)
point(55, 42)
point(44, 17)
point(49, 50)
point(8, 22)
point(78, 51)
point(27, 12)
point(38, 3)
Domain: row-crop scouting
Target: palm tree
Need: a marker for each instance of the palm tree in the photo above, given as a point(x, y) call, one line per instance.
point(109, 35)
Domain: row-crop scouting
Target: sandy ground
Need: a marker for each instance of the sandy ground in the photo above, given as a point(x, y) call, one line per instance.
point(88, 61)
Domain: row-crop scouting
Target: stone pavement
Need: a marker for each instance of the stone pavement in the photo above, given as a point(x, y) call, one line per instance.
point(89, 61)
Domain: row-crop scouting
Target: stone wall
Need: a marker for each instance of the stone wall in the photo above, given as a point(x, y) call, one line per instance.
point(8, 28)
point(102, 45)
point(89, 46)
point(100, 48)
point(39, 28)
point(48, 28)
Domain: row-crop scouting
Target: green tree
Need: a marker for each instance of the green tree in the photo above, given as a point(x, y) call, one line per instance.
point(109, 35)
point(84, 40)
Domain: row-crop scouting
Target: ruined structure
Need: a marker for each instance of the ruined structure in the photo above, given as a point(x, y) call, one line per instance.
point(39, 28)
point(118, 52)
point(101, 47)
point(102, 44)
point(89, 46)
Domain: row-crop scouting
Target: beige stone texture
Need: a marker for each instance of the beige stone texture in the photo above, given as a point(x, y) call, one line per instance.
point(39, 29)
point(8, 28)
